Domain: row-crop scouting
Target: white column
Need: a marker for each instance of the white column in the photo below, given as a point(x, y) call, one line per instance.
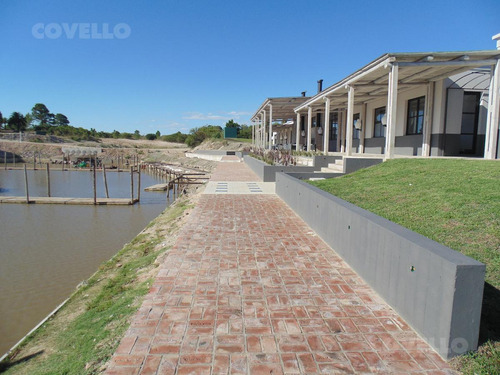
point(427, 129)
point(350, 115)
point(491, 138)
point(362, 116)
point(392, 105)
point(270, 126)
point(298, 135)
point(326, 130)
point(339, 131)
point(261, 129)
point(309, 127)
point(343, 129)
point(264, 130)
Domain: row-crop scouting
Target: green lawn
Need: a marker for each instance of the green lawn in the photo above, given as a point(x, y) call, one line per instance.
point(454, 202)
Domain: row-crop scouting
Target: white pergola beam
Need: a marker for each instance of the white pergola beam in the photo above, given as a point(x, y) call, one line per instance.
point(491, 139)
point(309, 128)
point(350, 115)
point(270, 126)
point(392, 101)
point(326, 132)
point(298, 135)
point(428, 120)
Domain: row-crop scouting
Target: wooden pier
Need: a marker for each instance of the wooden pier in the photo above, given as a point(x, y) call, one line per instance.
point(68, 200)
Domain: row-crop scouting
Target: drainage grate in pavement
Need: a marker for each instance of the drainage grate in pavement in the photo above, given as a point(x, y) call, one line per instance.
point(233, 187)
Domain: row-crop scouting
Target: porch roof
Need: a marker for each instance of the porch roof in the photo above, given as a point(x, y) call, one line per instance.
point(420, 68)
point(283, 108)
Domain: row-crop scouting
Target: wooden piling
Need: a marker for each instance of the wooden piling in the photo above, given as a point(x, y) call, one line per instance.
point(34, 160)
point(26, 184)
point(5, 159)
point(14, 157)
point(131, 184)
point(139, 183)
point(95, 187)
point(105, 180)
point(48, 180)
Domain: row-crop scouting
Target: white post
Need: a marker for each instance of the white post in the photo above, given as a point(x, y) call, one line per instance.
point(260, 129)
point(326, 131)
point(298, 135)
point(343, 129)
point(339, 131)
point(362, 116)
point(309, 127)
point(264, 131)
point(350, 115)
point(270, 126)
point(427, 129)
point(491, 138)
point(392, 101)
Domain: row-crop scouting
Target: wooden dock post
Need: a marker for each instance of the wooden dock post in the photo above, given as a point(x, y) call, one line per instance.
point(139, 183)
point(26, 184)
point(48, 180)
point(132, 184)
point(14, 156)
point(5, 159)
point(95, 188)
point(105, 180)
point(34, 160)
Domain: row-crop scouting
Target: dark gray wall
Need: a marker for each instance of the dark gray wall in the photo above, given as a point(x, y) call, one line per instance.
point(440, 299)
point(353, 164)
point(267, 173)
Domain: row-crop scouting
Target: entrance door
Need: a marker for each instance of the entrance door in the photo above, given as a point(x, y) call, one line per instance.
point(334, 125)
point(470, 117)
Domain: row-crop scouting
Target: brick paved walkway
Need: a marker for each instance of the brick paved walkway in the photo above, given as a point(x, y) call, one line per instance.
point(250, 289)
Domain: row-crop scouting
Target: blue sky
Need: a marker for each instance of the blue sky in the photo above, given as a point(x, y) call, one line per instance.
point(189, 63)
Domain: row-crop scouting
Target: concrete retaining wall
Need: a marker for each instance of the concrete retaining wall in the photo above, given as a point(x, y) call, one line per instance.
point(437, 290)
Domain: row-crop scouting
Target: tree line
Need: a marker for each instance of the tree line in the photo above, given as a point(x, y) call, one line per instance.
point(42, 121)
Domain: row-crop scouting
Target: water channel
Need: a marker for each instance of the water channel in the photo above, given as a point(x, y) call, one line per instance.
point(47, 250)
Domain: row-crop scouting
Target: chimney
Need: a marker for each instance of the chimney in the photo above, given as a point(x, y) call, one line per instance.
point(303, 93)
point(320, 86)
point(497, 38)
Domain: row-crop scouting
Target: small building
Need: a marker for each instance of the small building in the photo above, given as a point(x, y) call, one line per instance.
point(413, 104)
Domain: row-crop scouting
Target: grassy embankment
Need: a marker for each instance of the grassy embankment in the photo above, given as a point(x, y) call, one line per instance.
point(83, 335)
point(454, 202)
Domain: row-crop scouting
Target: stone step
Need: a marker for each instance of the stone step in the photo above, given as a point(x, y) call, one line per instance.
point(332, 169)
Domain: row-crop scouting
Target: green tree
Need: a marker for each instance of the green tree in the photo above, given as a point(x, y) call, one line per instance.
point(60, 120)
point(2, 120)
point(137, 134)
point(150, 136)
point(158, 134)
point(16, 122)
point(42, 114)
point(245, 132)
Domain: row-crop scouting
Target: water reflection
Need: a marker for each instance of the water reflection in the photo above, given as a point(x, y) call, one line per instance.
point(46, 250)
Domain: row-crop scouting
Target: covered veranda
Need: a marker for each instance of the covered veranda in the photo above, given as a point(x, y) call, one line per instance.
point(273, 122)
point(387, 81)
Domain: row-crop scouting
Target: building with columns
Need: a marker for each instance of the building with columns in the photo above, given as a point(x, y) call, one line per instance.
point(273, 122)
point(412, 104)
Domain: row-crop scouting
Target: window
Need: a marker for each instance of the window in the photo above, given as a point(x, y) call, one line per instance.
point(379, 129)
point(355, 132)
point(415, 119)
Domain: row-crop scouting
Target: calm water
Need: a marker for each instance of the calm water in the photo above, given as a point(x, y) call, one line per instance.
point(47, 250)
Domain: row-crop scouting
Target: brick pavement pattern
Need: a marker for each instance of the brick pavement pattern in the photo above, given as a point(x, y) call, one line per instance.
point(249, 288)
